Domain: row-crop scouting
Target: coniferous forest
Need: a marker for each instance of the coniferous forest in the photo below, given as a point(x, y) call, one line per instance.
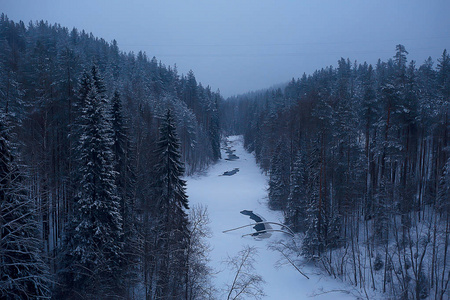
point(359, 163)
point(95, 145)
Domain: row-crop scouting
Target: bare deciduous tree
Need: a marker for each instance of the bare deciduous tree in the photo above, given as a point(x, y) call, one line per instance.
point(198, 274)
point(245, 281)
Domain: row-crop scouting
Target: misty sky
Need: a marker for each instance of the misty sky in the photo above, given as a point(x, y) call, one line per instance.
point(242, 45)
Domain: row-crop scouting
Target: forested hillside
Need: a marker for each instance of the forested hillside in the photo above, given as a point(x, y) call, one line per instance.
point(359, 162)
point(93, 145)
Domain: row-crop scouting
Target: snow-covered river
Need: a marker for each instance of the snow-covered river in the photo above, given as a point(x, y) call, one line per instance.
point(226, 197)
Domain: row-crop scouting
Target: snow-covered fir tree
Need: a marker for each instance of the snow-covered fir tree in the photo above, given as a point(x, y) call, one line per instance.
point(214, 131)
point(296, 203)
point(376, 144)
point(93, 244)
point(314, 240)
point(172, 223)
point(279, 177)
point(125, 182)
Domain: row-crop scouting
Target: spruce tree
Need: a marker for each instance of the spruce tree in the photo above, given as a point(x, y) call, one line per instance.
point(98, 83)
point(123, 158)
point(23, 274)
point(443, 197)
point(368, 114)
point(125, 182)
point(314, 241)
point(400, 62)
point(214, 132)
point(93, 245)
point(443, 68)
point(279, 178)
point(296, 203)
point(171, 217)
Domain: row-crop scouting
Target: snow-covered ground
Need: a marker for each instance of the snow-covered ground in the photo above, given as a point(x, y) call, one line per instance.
point(225, 197)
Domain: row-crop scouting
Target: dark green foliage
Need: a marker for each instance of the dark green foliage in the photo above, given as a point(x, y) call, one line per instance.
point(443, 75)
point(279, 178)
point(124, 166)
point(46, 93)
point(93, 250)
point(374, 151)
point(316, 217)
point(171, 218)
point(214, 131)
point(296, 217)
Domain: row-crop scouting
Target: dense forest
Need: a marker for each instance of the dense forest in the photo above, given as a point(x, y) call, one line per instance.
point(94, 143)
point(359, 162)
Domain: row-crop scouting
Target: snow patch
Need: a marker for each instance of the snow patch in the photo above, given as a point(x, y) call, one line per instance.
point(226, 197)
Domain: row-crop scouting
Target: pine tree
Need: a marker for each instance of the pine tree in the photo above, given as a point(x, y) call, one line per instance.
point(93, 245)
point(400, 61)
point(123, 158)
point(125, 182)
point(279, 178)
point(443, 129)
point(443, 196)
point(443, 68)
point(296, 203)
point(191, 90)
point(98, 83)
point(368, 114)
point(214, 132)
point(170, 212)
point(11, 91)
point(23, 274)
point(314, 241)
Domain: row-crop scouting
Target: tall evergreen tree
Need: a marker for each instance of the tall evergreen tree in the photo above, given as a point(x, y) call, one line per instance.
point(279, 178)
point(93, 245)
point(315, 238)
point(125, 182)
point(444, 75)
point(172, 222)
point(296, 204)
point(375, 145)
point(214, 131)
point(400, 62)
point(123, 158)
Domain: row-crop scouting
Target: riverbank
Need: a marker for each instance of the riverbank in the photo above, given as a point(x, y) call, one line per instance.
point(226, 197)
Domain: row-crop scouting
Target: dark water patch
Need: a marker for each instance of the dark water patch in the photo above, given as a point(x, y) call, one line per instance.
point(230, 173)
point(257, 219)
point(232, 157)
point(230, 151)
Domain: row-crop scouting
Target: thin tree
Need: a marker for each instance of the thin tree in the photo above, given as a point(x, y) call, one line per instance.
point(245, 280)
point(23, 274)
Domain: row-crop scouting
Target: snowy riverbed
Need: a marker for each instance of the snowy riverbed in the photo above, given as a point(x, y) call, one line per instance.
point(226, 197)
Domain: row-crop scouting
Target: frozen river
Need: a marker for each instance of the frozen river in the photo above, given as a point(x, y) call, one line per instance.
point(226, 197)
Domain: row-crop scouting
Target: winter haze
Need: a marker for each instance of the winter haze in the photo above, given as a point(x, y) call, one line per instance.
point(237, 46)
